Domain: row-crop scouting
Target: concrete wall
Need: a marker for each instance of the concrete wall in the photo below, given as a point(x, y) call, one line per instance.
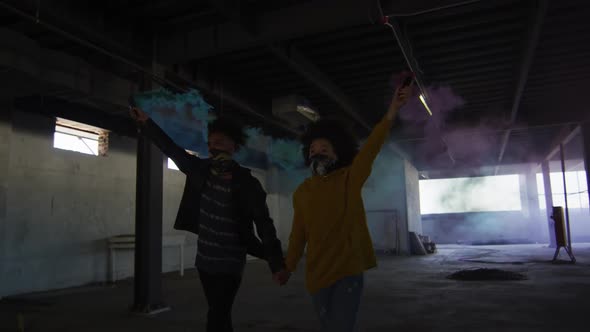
point(527, 225)
point(580, 225)
point(482, 227)
point(498, 226)
point(412, 198)
point(57, 208)
point(523, 226)
point(386, 191)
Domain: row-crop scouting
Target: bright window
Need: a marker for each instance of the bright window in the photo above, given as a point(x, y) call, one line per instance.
point(577, 189)
point(79, 137)
point(172, 165)
point(475, 194)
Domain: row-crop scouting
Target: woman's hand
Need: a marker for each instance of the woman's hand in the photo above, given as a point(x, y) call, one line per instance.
point(400, 98)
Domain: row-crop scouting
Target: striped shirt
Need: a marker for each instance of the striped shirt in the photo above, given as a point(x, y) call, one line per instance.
point(219, 247)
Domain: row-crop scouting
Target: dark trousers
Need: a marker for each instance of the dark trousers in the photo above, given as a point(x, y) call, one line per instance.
point(220, 291)
point(338, 305)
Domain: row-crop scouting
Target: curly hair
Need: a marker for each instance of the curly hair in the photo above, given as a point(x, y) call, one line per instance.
point(229, 128)
point(343, 141)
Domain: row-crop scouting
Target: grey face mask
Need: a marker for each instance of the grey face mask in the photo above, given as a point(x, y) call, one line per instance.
point(322, 164)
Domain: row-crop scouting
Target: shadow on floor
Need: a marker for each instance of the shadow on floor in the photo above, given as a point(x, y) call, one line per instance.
point(402, 294)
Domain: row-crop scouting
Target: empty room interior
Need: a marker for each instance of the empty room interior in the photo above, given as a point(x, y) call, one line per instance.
point(472, 208)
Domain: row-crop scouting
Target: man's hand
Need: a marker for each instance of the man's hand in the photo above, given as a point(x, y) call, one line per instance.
point(281, 277)
point(138, 115)
point(400, 98)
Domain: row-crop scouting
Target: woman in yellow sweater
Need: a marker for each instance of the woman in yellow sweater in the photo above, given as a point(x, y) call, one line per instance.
point(329, 217)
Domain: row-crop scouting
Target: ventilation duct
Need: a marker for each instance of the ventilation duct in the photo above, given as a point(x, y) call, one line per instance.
point(295, 110)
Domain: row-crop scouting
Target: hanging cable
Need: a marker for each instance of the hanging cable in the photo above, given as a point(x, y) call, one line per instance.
point(434, 9)
point(414, 68)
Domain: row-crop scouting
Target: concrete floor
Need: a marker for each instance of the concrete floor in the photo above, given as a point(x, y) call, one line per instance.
point(403, 294)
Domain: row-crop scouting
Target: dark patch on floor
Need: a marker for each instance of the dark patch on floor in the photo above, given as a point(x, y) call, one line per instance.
point(491, 261)
point(486, 274)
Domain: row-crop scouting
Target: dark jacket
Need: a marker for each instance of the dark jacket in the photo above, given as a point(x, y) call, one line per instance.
point(249, 199)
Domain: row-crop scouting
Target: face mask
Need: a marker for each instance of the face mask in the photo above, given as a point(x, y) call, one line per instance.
point(221, 162)
point(322, 164)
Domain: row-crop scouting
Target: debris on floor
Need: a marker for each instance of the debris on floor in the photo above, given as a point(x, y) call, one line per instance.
point(486, 274)
point(429, 245)
point(421, 244)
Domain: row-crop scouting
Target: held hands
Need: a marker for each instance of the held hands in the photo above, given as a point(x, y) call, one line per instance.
point(138, 115)
point(281, 277)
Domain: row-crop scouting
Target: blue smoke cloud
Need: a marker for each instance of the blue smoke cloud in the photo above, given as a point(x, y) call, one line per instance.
point(286, 154)
point(185, 116)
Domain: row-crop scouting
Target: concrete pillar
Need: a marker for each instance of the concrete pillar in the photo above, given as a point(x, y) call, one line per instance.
point(148, 224)
point(532, 205)
point(586, 139)
point(412, 198)
point(548, 202)
point(5, 138)
point(524, 194)
point(148, 227)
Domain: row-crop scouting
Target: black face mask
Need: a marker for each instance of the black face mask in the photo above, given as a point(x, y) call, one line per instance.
point(221, 162)
point(322, 164)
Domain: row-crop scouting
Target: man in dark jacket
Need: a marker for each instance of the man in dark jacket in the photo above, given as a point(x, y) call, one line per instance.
point(221, 203)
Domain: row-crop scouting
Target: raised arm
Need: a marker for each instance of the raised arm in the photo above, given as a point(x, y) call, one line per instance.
point(363, 162)
point(150, 129)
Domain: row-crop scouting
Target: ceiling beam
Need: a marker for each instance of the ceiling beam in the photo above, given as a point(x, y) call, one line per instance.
point(564, 137)
point(229, 97)
point(527, 60)
point(301, 65)
point(289, 22)
point(235, 11)
point(282, 24)
point(293, 58)
point(466, 37)
point(452, 25)
point(189, 20)
point(461, 8)
point(462, 54)
point(60, 20)
point(185, 78)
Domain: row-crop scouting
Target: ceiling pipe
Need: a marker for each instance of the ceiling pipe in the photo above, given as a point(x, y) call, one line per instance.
point(527, 61)
point(163, 81)
point(413, 66)
point(35, 19)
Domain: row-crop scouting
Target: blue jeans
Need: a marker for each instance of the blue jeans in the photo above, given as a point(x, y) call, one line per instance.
point(337, 305)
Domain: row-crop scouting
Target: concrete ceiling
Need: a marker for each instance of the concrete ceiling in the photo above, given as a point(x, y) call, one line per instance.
point(520, 65)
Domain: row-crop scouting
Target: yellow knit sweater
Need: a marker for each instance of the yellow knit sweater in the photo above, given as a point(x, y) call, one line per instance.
point(329, 216)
